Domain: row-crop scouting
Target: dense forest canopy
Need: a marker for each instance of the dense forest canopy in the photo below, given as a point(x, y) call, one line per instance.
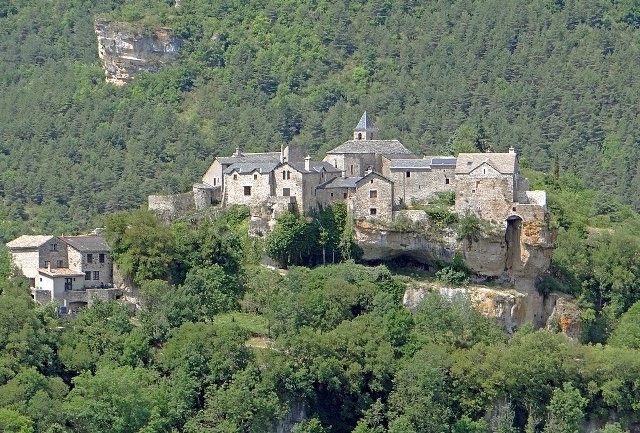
point(556, 79)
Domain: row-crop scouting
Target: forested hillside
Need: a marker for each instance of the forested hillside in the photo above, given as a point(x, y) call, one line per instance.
point(556, 79)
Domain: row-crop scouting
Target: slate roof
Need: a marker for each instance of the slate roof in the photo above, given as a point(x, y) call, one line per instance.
point(419, 164)
point(372, 174)
point(86, 243)
point(341, 182)
point(250, 157)
point(364, 124)
point(381, 147)
point(442, 160)
point(250, 167)
point(504, 163)
point(316, 166)
point(60, 272)
point(29, 241)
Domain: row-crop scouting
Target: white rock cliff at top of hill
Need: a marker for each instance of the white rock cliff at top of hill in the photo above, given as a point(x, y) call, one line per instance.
point(126, 49)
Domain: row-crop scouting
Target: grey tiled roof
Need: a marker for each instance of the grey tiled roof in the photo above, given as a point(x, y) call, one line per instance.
point(442, 160)
point(315, 166)
point(29, 241)
point(421, 164)
point(341, 182)
point(86, 243)
point(504, 163)
point(250, 167)
point(372, 174)
point(364, 124)
point(381, 147)
point(250, 157)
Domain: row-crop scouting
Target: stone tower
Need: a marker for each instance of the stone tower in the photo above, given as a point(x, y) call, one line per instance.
point(365, 129)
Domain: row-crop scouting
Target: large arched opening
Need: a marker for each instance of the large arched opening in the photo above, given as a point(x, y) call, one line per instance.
point(512, 239)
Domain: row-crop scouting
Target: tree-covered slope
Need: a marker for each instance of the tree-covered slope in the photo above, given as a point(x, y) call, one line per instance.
point(555, 79)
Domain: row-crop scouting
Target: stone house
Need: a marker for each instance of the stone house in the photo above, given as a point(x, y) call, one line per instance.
point(420, 179)
point(490, 186)
point(373, 198)
point(374, 178)
point(68, 270)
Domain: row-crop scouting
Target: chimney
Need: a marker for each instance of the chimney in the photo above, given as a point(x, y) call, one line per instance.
point(49, 266)
point(238, 152)
point(512, 150)
point(307, 163)
point(282, 158)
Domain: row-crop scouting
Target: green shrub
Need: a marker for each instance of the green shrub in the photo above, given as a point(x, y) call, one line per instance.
point(440, 216)
point(450, 275)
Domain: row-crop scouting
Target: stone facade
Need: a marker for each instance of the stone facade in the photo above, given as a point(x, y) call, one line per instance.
point(420, 179)
point(373, 198)
point(58, 267)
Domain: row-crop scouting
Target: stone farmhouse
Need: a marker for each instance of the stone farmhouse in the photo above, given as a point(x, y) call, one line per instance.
point(68, 270)
point(374, 178)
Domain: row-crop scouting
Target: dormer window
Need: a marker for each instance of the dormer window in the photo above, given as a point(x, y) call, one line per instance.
point(235, 177)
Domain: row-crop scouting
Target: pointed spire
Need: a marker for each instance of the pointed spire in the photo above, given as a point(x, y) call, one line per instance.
point(365, 129)
point(364, 123)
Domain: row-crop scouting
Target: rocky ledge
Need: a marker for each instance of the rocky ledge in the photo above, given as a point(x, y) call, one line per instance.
point(126, 49)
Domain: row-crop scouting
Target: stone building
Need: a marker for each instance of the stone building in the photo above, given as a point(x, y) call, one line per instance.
point(68, 270)
point(419, 179)
point(374, 177)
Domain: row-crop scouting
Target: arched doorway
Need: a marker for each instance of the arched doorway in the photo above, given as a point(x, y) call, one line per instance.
point(512, 239)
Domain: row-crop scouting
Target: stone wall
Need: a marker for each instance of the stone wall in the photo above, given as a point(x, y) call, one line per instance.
point(489, 198)
point(261, 187)
point(373, 199)
point(422, 184)
point(172, 206)
point(286, 176)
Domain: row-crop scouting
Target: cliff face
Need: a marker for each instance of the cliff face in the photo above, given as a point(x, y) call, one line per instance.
point(126, 49)
point(511, 308)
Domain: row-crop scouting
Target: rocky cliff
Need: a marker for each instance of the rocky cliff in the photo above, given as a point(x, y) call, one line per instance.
point(126, 49)
point(512, 308)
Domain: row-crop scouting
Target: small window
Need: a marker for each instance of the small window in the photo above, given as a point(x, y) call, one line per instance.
point(255, 176)
point(53, 247)
point(371, 181)
point(513, 209)
point(373, 211)
point(345, 195)
point(331, 194)
point(288, 174)
point(47, 263)
point(96, 275)
point(484, 171)
point(89, 258)
point(235, 177)
point(373, 193)
point(87, 275)
point(408, 174)
point(351, 170)
point(286, 192)
point(59, 264)
point(446, 181)
point(477, 184)
point(214, 181)
point(359, 135)
point(101, 258)
point(284, 175)
point(247, 190)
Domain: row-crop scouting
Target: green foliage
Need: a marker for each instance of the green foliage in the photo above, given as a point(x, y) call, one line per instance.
point(471, 228)
point(627, 331)
point(565, 410)
point(288, 240)
point(440, 216)
point(449, 275)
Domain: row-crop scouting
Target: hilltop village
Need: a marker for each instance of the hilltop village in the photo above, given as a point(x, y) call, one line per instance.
point(375, 178)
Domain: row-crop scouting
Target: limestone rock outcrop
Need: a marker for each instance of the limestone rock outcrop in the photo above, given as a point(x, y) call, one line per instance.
point(510, 307)
point(126, 49)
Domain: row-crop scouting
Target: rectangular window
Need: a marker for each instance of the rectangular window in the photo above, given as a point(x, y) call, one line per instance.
point(87, 275)
point(288, 174)
point(101, 258)
point(47, 263)
point(96, 275)
point(255, 177)
point(286, 192)
point(373, 211)
point(345, 195)
point(89, 258)
point(477, 184)
point(68, 284)
point(408, 174)
point(446, 181)
point(331, 194)
point(53, 247)
point(235, 177)
point(247, 190)
point(59, 264)
point(214, 181)
point(373, 193)
point(352, 170)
